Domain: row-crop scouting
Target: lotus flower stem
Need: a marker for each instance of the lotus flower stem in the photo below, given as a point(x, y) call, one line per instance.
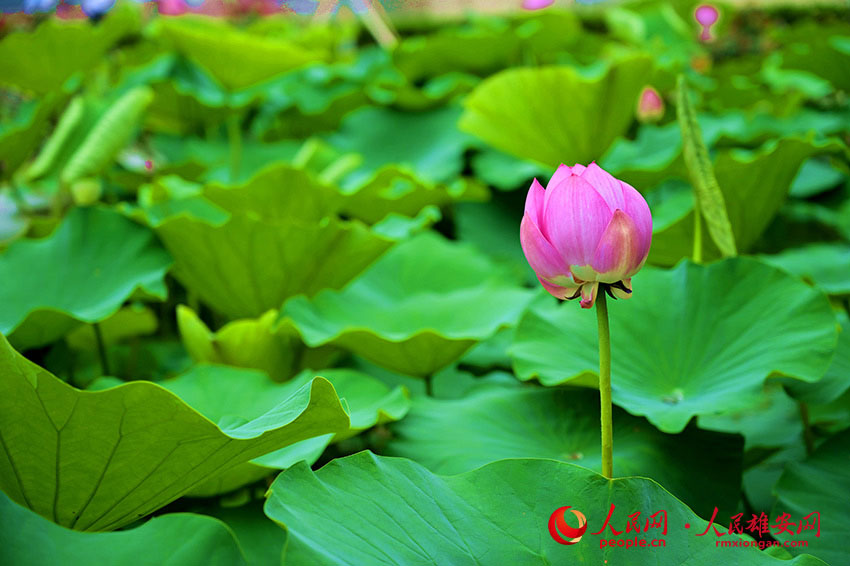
point(697, 257)
point(234, 138)
point(101, 349)
point(605, 386)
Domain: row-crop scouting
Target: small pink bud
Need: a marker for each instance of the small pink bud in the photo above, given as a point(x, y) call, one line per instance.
point(586, 229)
point(706, 15)
point(148, 164)
point(650, 105)
point(536, 4)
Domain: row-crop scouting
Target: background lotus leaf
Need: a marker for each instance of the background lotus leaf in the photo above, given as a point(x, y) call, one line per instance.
point(172, 539)
point(572, 120)
point(767, 322)
point(416, 310)
point(494, 423)
point(84, 271)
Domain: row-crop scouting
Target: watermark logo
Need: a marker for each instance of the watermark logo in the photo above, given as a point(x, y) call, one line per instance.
point(558, 526)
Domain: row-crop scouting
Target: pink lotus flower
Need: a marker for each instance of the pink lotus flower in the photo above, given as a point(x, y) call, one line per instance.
point(585, 229)
point(650, 105)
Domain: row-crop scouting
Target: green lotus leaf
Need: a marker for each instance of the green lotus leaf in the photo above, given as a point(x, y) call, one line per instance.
point(84, 271)
point(41, 60)
point(825, 265)
point(396, 512)
point(773, 421)
point(315, 98)
point(395, 190)
point(260, 538)
point(824, 220)
point(820, 49)
point(816, 176)
point(225, 395)
point(816, 484)
point(212, 156)
point(132, 321)
point(652, 157)
point(27, 539)
point(428, 143)
point(494, 423)
point(416, 310)
point(493, 227)
point(574, 117)
point(98, 460)
point(250, 343)
point(746, 321)
point(236, 58)
point(835, 382)
point(506, 172)
point(283, 238)
point(754, 187)
point(486, 44)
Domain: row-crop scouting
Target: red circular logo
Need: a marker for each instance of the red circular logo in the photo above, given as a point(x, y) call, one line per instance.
point(561, 531)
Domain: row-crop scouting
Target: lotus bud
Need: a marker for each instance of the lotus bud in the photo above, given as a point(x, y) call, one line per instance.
point(706, 15)
point(536, 4)
point(584, 231)
point(650, 105)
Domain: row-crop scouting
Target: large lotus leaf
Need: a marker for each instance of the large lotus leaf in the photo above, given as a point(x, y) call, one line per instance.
point(132, 321)
point(754, 186)
point(485, 44)
point(506, 172)
point(772, 421)
point(428, 143)
point(825, 265)
point(454, 436)
point(396, 512)
point(493, 227)
point(693, 340)
point(225, 395)
point(836, 381)
point(27, 539)
point(260, 538)
point(213, 155)
point(41, 60)
point(819, 48)
point(417, 309)
point(85, 270)
point(282, 239)
point(246, 267)
point(257, 343)
point(653, 156)
point(482, 46)
point(236, 58)
point(98, 460)
point(395, 190)
point(817, 484)
point(573, 117)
